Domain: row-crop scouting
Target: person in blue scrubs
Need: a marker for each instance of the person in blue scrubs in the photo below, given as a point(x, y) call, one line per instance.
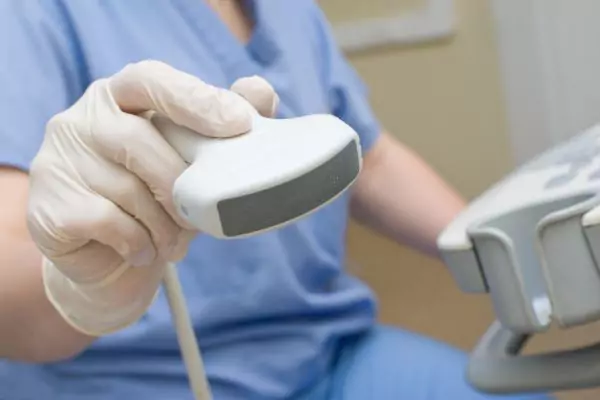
point(277, 315)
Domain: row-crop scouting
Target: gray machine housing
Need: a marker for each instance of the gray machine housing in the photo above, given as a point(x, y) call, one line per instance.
point(533, 243)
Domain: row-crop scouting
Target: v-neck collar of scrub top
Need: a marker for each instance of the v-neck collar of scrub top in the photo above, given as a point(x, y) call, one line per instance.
point(237, 58)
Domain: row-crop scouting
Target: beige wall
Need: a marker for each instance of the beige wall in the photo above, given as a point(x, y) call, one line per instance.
point(444, 100)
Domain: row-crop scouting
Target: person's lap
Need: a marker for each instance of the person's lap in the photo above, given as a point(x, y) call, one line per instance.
point(385, 364)
point(389, 363)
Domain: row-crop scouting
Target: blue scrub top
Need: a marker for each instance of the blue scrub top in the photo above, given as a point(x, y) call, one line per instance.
point(269, 311)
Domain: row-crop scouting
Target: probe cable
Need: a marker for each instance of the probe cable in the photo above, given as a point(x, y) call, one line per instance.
point(188, 345)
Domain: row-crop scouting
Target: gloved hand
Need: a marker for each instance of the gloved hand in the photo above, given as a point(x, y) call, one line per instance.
point(100, 206)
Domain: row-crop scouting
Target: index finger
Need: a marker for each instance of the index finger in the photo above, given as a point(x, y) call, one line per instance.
point(181, 97)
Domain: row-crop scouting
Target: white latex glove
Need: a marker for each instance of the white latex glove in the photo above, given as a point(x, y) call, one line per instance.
point(100, 206)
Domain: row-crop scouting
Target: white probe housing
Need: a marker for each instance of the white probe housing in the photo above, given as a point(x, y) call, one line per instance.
point(280, 171)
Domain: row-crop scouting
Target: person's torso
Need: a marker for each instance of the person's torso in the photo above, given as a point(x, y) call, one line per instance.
point(267, 309)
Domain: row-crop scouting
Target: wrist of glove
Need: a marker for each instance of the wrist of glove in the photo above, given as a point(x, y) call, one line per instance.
point(100, 205)
point(105, 306)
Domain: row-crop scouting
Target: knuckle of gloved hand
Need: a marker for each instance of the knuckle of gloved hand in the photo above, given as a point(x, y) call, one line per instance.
point(127, 188)
point(225, 114)
point(114, 137)
point(104, 217)
point(68, 127)
point(127, 238)
point(66, 223)
point(37, 225)
point(64, 122)
point(149, 66)
point(76, 117)
point(259, 92)
point(55, 232)
point(253, 87)
point(41, 167)
point(140, 71)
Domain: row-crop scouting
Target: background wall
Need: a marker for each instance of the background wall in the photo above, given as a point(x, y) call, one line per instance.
point(444, 99)
point(550, 60)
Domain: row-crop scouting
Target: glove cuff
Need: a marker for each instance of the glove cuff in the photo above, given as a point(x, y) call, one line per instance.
point(97, 309)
